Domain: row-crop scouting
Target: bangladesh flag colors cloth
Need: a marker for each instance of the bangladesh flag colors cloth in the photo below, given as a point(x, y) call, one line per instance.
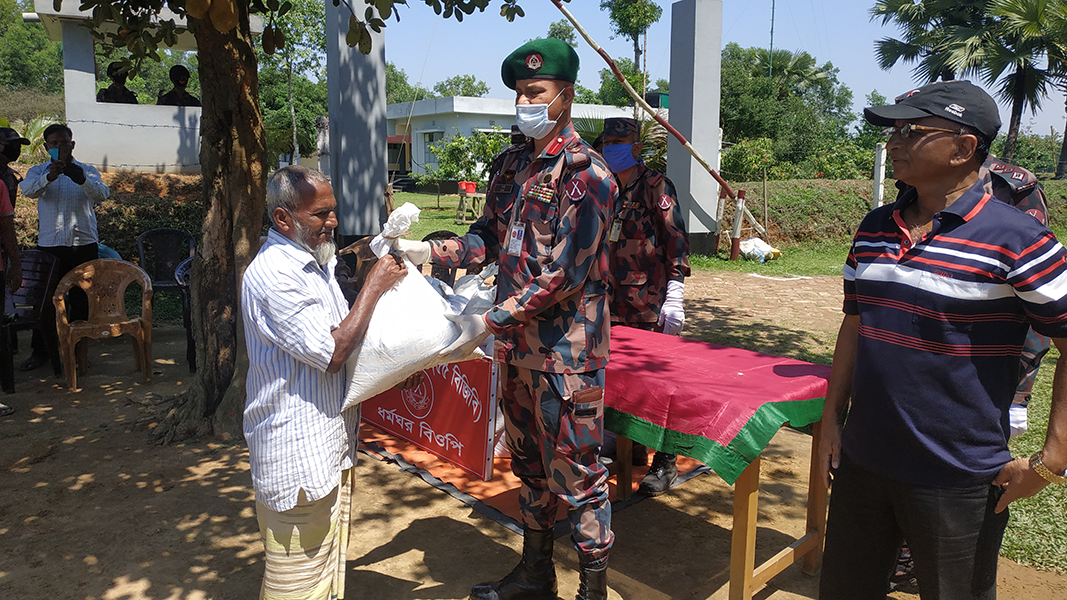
point(716, 404)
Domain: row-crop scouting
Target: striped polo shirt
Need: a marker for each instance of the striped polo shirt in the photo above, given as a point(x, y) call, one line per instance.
point(942, 324)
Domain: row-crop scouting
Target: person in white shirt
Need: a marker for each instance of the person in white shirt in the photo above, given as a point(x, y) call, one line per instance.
point(66, 190)
point(299, 331)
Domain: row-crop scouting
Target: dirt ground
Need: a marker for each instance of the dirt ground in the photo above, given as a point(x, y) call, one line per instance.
point(90, 510)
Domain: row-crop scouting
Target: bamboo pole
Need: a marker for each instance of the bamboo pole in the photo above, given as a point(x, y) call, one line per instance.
point(640, 101)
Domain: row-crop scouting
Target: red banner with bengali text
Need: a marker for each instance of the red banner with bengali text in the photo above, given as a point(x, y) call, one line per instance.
point(451, 414)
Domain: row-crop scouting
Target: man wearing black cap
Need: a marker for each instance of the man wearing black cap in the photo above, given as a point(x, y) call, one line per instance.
point(177, 96)
point(546, 215)
point(649, 256)
point(940, 290)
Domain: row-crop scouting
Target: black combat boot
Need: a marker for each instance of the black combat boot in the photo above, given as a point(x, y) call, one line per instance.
point(534, 578)
point(594, 579)
point(661, 475)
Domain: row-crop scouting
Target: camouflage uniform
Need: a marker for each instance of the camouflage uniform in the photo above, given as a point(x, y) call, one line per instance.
point(1018, 187)
point(653, 247)
point(551, 323)
point(116, 96)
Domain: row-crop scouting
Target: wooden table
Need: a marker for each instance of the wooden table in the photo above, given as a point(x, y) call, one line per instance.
point(469, 202)
point(720, 406)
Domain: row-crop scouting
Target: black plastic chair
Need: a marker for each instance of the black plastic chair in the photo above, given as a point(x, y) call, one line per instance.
point(24, 310)
point(181, 276)
point(445, 274)
point(161, 251)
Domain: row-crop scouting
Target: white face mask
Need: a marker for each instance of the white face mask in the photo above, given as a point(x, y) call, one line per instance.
point(533, 119)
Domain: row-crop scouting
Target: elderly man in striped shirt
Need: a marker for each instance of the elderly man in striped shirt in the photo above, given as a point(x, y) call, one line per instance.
point(300, 331)
point(940, 290)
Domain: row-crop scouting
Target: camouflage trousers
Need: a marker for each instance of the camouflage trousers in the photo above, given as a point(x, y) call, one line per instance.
point(554, 427)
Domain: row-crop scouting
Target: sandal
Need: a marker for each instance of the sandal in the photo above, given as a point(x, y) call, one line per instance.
point(6, 410)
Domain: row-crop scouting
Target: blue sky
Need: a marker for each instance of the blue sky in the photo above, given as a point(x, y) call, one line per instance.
point(839, 31)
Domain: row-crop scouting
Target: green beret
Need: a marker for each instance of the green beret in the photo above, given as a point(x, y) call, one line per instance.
point(541, 59)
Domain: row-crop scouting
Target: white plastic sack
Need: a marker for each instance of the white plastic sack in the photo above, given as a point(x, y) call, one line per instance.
point(407, 330)
point(756, 249)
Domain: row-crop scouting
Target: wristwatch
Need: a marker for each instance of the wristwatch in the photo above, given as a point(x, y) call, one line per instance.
point(1043, 471)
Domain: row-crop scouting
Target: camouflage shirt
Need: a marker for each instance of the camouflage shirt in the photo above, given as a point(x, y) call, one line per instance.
point(545, 222)
point(652, 247)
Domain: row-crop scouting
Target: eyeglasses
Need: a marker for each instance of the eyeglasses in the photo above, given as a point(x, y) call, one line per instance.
point(906, 130)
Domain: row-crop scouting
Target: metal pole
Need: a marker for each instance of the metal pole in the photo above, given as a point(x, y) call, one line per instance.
point(766, 210)
point(879, 175)
point(739, 220)
point(770, 51)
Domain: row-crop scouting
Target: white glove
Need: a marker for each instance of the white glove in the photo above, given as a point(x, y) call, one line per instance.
point(672, 315)
point(417, 252)
point(472, 332)
point(1017, 420)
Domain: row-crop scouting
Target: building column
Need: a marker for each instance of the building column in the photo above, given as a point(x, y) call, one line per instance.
point(358, 134)
point(696, 59)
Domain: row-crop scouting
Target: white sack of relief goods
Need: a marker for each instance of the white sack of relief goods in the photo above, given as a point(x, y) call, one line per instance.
point(407, 329)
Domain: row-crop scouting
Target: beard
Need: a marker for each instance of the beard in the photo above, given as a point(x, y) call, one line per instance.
point(323, 252)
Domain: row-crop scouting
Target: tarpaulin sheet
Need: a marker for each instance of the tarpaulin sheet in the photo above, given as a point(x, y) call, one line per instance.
point(716, 404)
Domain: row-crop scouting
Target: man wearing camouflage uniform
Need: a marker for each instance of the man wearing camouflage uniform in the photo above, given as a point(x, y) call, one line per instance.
point(649, 256)
point(545, 220)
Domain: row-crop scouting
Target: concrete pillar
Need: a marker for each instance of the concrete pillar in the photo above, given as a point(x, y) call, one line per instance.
point(358, 144)
point(696, 57)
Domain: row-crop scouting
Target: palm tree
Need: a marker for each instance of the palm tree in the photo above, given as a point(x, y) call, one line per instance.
point(923, 27)
point(1020, 53)
point(792, 72)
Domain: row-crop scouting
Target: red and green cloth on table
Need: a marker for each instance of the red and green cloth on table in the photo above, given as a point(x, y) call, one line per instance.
point(716, 404)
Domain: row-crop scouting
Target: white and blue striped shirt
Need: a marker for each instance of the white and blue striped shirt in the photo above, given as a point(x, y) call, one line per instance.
point(298, 438)
point(65, 211)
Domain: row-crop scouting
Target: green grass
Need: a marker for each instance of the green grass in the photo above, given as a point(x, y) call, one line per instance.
point(432, 218)
point(1035, 533)
point(802, 258)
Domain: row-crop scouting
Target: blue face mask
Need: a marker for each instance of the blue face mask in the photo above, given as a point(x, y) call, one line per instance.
point(619, 157)
point(54, 153)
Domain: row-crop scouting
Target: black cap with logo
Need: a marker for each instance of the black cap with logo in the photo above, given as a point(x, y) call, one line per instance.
point(958, 101)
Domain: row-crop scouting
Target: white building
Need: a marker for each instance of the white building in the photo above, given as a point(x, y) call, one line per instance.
point(136, 137)
point(427, 121)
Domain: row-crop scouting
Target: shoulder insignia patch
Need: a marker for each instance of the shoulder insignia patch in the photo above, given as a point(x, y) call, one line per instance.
point(665, 202)
point(576, 189)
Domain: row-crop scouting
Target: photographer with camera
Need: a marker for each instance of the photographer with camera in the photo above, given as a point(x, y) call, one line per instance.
point(65, 190)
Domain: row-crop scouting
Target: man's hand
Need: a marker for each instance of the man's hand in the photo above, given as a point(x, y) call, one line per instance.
point(75, 172)
point(672, 315)
point(411, 382)
point(383, 275)
point(473, 332)
point(417, 252)
point(14, 277)
point(1018, 481)
point(829, 450)
point(55, 169)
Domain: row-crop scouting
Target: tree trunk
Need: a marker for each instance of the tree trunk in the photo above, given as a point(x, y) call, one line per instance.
point(1017, 101)
point(232, 162)
point(637, 52)
point(292, 110)
point(1061, 164)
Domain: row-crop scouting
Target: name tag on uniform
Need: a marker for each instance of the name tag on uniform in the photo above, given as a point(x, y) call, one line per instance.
point(515, 237)
point(503, 188)
point(616, 230)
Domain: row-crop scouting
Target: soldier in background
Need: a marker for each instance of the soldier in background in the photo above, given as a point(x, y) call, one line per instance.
point(649, 256)
point(545, 221)
point(177, 96)
point(116, 93)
